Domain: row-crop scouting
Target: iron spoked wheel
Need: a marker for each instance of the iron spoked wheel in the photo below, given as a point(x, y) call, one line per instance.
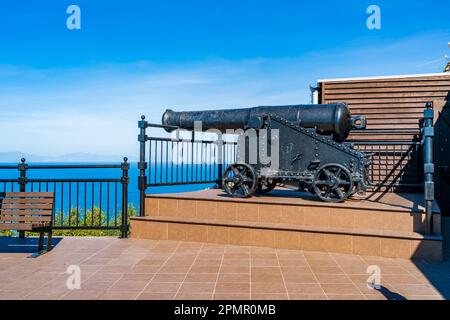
point(266, 185)
point(333, 183)
point(239, 180)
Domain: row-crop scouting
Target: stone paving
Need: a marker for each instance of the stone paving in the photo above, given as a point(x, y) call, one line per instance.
point(114, 268)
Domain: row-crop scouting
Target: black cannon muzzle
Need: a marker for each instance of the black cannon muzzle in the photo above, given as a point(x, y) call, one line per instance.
point(328, 119)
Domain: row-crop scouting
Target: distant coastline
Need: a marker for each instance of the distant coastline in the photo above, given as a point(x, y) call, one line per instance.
point(15, 156)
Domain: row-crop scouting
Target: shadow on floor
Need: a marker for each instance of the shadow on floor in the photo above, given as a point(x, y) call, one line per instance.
point(26, 245)
point(389, 295)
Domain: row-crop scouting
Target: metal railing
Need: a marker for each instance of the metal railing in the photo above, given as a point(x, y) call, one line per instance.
point(80, 202)
point(396, 165)
point(179, 161)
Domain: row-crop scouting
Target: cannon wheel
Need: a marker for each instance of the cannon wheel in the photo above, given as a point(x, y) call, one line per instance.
point(267, 185)
point(333, 183)
point(239, 180)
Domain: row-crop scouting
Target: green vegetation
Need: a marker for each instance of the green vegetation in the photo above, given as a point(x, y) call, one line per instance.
point(93, 217)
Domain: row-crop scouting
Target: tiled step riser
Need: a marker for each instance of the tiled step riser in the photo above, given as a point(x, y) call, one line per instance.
point(298, 215)
point(298, 240)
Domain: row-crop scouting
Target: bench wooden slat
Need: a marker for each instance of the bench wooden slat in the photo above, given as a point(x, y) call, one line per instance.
point(9, 212)
point(29, 194)
point(27, 206)
point(27, 200)
point(26, 218)
point(16, 226)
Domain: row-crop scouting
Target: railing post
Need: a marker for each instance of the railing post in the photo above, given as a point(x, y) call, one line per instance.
point(220, 146)
point(428, 166)
point(125, 166)
point(142, 165)
point(23, 167)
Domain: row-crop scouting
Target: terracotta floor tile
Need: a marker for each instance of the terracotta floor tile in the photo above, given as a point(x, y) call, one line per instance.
point(300, 278)
point(235, 262)
point(267, 287)
point(197, 287)
point(129, 285)
point(304, 288)
point(296, 270)
point(97, 285)
point(269, 296)
point(169, 277)
point(299, 296)
point(201, 277)
point(235, 269)
point(415, 289)
point(232, 287)
point(82, 295)
point(156, 296)
point(333, 278)
point(264, 263)
point(119, 295)
point(401, 279)
point(204, 269)
point(338, 289)
point(421, 297)
point(346, 297)
point(174, 269)
point(194, 296)
point(231, 296)
point(326, 270)
point(234, 277)
point(138, 276)
point(162, 287)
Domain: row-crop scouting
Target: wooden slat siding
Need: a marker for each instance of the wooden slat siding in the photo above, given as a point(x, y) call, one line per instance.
point(4, 212)
point(389, 103)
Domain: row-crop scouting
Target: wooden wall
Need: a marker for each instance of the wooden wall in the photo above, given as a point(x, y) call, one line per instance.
point(394, 109)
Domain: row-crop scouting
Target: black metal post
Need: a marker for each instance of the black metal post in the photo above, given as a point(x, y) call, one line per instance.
point(428, 166)
point(142, 165)
point(220, 162)
point(23, 167)
point(125, 181)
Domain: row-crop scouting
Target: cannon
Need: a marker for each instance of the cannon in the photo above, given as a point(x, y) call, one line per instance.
point(302, 144)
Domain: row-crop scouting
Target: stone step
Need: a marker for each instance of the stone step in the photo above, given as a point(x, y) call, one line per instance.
point(279, 235)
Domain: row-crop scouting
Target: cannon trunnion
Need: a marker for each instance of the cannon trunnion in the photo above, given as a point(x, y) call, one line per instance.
point(288, 147)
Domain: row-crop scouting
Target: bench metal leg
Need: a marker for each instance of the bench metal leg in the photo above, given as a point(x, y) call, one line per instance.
point(22, 234)
point(49, 240)
point(41, 241)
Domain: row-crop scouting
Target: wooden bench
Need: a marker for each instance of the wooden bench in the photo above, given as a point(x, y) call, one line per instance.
point(28, 211)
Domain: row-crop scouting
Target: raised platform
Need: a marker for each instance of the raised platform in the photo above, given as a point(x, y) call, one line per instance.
point(382, 224)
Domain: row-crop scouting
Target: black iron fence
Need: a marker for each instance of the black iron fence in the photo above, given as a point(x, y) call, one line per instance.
point(397, 165)
point(179, 160)
point(80, 203)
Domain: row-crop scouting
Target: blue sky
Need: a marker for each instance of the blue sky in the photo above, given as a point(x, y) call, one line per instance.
point(65, 91)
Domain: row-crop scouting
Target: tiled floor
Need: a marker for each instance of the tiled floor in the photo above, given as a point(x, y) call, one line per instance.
point(146, 269)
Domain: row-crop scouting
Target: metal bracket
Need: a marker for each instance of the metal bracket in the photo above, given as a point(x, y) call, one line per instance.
point(428, 114)
point(142, 138)
point(142, 165)
point(428, 132)
point(429, 191)
point(428, 168)
point(142, 182)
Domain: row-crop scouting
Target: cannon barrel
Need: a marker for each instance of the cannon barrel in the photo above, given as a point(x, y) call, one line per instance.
point(329, 119)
